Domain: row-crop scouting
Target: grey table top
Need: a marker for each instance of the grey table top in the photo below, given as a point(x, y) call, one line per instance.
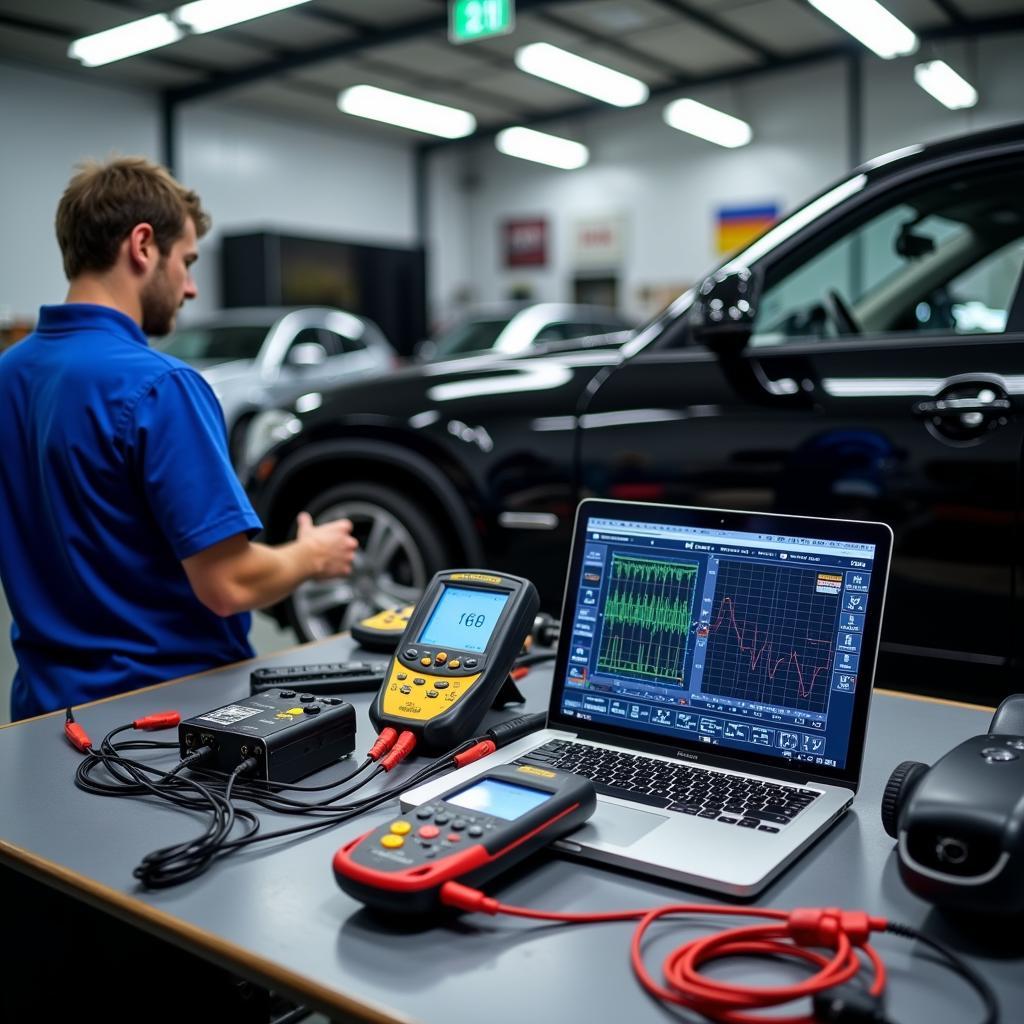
point(275, 914)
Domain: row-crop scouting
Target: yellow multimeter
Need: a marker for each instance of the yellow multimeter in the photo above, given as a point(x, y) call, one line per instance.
point(455, 655)
point(383, 631)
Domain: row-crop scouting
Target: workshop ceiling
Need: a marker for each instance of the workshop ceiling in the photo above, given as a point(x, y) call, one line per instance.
point(294, 62)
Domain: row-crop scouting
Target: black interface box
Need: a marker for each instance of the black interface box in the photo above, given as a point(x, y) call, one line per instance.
point(290, 734)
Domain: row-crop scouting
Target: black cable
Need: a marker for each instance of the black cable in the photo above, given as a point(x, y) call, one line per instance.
point(958, 964)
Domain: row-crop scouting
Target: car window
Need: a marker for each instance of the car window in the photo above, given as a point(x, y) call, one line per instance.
point(944, 258)
point(332, 343)
point(469, 336)
point(209, 345)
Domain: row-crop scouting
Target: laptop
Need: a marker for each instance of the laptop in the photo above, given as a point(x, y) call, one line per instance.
point(713, 677)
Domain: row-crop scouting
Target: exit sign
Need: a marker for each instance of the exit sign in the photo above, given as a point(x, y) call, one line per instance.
point(477, 19)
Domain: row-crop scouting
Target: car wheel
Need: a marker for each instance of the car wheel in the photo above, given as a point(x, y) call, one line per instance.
point(399, 551)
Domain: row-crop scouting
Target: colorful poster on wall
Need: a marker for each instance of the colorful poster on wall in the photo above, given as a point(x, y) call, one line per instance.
point(525, 242)
point(739, 225)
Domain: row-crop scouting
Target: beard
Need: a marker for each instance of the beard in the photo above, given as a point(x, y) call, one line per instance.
point(159, 305)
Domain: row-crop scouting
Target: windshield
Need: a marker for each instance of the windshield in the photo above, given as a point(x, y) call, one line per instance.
point(469, 336)
point(216, 344)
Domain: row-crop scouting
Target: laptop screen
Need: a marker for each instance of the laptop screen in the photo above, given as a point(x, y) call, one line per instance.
point(732, 633)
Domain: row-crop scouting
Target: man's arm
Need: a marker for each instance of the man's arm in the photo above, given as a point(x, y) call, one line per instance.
point(237, 575)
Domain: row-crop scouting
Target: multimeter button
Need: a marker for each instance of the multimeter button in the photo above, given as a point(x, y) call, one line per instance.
point(455, 663)
point(458, 824)
point(330, 700)
point(312, 709)
point(440, 658)
point(470, 663)
point(443, 819)
point(428, 832)
point(420, 681)
point(426, 661)
point(441, 684)
point(412, 653)
point(425, 812)
point(405, 689)
point(401, 676)
point(306, 697)
point(287, 694)
point(475, 830)
point(401, 828)
point(392, 842)
point(453, 837)
point(431, 693)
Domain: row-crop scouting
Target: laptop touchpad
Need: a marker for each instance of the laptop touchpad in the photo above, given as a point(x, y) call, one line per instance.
point(618, 826)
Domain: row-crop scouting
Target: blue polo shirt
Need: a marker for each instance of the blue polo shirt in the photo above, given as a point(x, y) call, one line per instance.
point(113, 468)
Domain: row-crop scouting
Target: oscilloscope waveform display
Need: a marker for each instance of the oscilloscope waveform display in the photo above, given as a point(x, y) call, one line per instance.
point(647, 618)
point(770, 639)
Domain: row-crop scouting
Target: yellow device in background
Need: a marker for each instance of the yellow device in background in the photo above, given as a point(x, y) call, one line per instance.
point(382, 632)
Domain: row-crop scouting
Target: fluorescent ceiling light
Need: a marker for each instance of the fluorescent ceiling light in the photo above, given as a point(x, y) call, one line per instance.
point(707, 123)
point(406, 111)
point(941, 81)
point(210, 15)
point(573, 72)
point(125, 40)
point(527, 144)
point(870, 23)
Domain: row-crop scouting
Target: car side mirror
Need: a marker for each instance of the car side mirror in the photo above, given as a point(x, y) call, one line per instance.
point(306, 355)
point(723, 316)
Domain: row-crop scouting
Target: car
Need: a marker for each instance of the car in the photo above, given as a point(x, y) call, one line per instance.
point(862, 359)
point(265, 357)
point(512, 328)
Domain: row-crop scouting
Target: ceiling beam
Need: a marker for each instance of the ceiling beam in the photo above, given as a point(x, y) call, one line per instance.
point(721, 28)
point(434, 24)
point(980, 27)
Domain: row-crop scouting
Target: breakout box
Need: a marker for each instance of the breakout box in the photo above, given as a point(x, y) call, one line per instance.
point(290, 734)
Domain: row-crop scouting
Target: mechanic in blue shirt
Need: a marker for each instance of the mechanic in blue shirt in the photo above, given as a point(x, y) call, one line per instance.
point(125, 551)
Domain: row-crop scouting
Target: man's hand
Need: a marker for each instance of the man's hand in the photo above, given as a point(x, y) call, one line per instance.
point(331, 546)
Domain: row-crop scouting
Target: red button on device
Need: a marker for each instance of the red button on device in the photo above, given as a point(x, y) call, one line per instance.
point(453, 837)
point(428, 832)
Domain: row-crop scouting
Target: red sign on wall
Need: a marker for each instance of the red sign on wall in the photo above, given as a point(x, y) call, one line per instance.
point(525, 242)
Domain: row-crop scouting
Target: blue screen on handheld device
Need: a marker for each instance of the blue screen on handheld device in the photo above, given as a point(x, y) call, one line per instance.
point(463, 619)
point(502, 799)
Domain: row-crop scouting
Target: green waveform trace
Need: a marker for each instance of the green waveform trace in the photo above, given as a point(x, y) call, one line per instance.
point(648, 615)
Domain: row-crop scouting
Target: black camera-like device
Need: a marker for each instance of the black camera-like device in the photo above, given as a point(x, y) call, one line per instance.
point(959, 824)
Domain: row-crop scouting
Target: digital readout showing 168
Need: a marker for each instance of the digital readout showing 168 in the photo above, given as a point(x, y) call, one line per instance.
point(463, 619)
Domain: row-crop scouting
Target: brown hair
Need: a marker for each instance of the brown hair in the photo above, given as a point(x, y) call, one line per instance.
point(103, 202)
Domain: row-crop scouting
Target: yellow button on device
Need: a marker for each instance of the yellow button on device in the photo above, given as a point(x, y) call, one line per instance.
point(392, 842)
point(426, 661)
point(401, 828)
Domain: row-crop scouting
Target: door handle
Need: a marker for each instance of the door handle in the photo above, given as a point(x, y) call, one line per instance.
point(947, 408)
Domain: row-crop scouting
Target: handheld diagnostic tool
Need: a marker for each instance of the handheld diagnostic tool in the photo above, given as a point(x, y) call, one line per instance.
point(384, 631)
point(456, 653)
point(469, 835)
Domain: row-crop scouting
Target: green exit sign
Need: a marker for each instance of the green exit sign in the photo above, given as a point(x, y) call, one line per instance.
point(478, 19)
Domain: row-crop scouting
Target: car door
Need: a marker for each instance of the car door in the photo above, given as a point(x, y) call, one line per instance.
point(883, 379)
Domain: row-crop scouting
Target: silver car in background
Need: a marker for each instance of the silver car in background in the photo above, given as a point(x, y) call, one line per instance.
point(265, 358)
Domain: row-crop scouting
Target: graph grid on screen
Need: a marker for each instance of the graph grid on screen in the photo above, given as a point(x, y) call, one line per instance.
point(770, 636)
point(647, 615)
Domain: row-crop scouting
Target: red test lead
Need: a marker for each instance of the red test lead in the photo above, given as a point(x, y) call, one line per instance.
point(77, 736)
point(161, 720)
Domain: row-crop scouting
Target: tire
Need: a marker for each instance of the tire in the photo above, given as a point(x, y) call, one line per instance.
point(236, 439)
point(400, 549)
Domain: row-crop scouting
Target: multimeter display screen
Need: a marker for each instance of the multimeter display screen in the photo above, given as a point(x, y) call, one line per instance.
point(502, 799)
point(463, 619)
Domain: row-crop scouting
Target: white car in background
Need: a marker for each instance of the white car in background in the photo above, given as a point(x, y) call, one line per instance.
point(266, 358)
point(511, 328)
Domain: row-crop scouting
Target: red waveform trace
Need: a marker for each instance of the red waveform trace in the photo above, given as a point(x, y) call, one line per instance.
point(765, 651)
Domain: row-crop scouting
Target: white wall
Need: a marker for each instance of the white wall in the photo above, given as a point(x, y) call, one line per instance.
point(48, 123)
point(252, 172)
point(258, 173)
point(669, 185)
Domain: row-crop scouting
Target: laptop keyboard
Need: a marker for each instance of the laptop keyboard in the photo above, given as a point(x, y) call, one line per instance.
point(705, 793)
